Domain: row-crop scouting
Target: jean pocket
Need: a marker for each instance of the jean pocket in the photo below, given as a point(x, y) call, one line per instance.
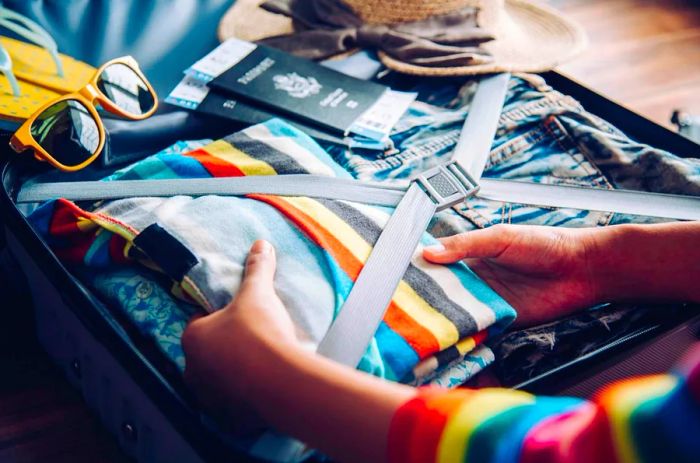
point(483, 213)
point(544, 154)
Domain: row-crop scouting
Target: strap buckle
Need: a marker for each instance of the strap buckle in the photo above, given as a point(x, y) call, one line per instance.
point(447, 184)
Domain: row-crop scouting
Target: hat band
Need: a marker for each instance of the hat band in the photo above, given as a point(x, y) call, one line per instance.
point(329, 27)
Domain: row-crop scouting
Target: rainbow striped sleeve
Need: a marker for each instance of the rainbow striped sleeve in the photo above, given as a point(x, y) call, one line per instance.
point(646, 419)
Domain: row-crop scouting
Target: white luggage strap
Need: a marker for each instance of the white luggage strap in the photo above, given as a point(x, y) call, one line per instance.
point(666, 206)
point(436, 189)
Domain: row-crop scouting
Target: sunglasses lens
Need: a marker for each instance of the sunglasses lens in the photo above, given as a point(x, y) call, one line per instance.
point(67, 131)
point(126, 89)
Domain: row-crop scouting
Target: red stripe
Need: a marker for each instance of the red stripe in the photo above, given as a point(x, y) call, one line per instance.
point(73, 243)
point(480, 337)
point(417, 426)
point(217, 167)
point(406, 421)
point(419, 338)
point(64, 222)
point(117, 244)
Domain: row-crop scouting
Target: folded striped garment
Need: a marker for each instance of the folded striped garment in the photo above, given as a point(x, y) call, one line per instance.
point(439, 315)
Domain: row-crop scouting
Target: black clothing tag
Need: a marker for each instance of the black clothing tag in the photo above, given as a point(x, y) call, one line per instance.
point(166, 251)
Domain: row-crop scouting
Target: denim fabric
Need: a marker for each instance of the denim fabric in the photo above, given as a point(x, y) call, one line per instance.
point(544, 137)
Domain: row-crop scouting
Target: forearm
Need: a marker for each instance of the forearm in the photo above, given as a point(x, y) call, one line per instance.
point(648, 262)
point(340, 411)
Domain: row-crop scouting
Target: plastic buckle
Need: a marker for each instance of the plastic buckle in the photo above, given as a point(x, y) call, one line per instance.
point(447, 184)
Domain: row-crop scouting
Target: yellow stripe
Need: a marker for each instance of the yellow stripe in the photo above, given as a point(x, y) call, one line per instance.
point(115, 228)
point(351, 240)
point(127, 248)
point(85, 224)
point(220, 149)
point(424, 314)
point(405, 297)
point(483, 405)
point(466, 345)
point(623, 399)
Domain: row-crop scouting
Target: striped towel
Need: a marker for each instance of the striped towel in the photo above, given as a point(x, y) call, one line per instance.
point(438, 314)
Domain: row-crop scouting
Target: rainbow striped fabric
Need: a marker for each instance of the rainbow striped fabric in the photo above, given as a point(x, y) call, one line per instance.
point(646, 419)
point(438, 317)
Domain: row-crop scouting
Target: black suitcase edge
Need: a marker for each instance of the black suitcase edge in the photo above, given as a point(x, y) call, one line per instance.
point(95, 321)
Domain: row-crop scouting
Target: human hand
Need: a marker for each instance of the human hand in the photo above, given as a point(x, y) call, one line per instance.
point(226, 351)
point(543, 272)
point(244, 363)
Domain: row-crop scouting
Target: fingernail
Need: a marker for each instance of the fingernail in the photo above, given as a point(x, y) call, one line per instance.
point(435, 248)
point(261, 247)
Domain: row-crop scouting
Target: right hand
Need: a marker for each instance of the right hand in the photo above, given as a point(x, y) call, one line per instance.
point(227, 352)
point(545, 273)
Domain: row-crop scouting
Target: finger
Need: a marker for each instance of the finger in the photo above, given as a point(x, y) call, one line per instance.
point(487, 243)
point(260, 266)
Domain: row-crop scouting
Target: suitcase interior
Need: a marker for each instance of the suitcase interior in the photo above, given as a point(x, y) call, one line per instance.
point(142, 400)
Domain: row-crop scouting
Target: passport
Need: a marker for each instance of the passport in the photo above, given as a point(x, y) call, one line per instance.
point(301, 89)
point(194, 94)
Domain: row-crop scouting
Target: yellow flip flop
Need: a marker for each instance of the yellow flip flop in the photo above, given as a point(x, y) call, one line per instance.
point(18, 108)
point(33, 64)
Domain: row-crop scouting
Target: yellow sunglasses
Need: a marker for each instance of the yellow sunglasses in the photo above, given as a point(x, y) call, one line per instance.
point(68, 132)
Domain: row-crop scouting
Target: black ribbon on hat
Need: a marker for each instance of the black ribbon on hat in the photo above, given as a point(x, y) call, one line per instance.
point(329, 27)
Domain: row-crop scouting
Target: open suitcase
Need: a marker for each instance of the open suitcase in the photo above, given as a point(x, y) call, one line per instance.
point(146, 406)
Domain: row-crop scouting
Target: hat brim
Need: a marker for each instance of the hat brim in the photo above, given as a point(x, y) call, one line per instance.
point(245, 20)
point(531, 37)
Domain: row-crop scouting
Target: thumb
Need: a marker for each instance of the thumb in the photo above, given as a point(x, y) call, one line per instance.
point(478, 244)
point(260, 267)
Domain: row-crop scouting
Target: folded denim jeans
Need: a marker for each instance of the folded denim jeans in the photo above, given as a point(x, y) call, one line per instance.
point(543, 137)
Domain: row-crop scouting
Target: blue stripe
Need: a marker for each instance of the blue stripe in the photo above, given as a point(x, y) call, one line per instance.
point(666, 427)
point(98, 253)
point(341, 281)
point(397, 354)
point(505, 314)
point(41, 219)
point(184, 166)
point(149, 168)
point(503, 434)
point(579, 215)
point(532, 215)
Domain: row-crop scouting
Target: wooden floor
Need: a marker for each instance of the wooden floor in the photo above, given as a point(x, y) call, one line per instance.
point(644, 53)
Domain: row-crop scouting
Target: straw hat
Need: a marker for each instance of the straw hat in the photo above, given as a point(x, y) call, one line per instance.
point(529, 36)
